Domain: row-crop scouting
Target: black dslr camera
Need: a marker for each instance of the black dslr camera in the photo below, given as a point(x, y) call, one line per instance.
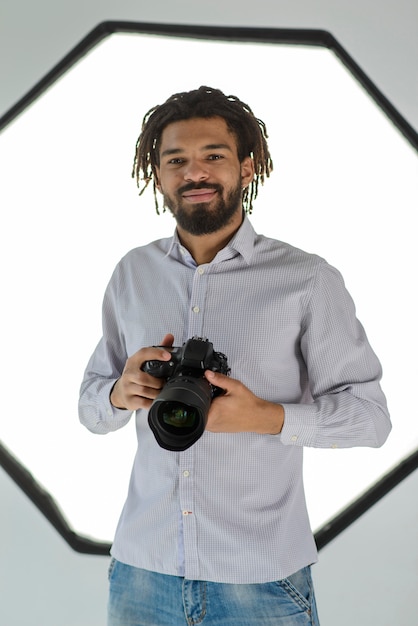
point(178, 416)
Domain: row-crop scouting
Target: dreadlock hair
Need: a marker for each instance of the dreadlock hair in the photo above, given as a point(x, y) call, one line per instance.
point(250, 134)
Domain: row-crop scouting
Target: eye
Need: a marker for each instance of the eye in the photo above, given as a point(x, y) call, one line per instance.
point(215, 157)
point(176, 161)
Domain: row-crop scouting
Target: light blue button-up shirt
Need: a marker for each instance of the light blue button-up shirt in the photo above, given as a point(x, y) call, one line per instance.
point(231, 508)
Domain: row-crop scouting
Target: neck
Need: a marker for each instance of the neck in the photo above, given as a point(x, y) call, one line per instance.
point(204, 248)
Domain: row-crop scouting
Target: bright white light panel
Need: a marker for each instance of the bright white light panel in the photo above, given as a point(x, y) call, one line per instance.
point(344, 186)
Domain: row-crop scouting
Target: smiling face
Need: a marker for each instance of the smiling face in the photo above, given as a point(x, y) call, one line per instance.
point(200, 175)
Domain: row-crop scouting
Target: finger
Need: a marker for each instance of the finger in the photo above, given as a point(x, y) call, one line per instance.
point(138, 402)
point(143, 385)
point(144, 391)
point(155, 352)
point(168, 340)
point(152, 353)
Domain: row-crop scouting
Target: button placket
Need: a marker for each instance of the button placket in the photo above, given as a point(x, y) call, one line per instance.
point(188, 513)
point(197, 299)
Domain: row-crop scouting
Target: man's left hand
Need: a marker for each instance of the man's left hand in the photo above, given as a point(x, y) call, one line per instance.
point(239, 410)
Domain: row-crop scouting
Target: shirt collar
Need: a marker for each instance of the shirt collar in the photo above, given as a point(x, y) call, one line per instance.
point(241, 243)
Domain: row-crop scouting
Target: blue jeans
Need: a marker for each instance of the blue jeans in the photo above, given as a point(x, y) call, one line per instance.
point(142, 598)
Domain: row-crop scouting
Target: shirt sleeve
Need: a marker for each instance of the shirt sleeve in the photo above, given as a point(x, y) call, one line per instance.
point(348, 406)
point(103, 369)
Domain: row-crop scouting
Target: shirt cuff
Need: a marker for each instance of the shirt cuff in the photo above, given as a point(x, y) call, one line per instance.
point(98, 414)
point(300, 424)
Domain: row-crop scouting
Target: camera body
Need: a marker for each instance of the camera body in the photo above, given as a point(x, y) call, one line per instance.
point(196, 355)
point(178, 416)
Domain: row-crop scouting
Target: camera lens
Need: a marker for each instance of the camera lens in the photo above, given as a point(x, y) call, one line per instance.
point(178, 415)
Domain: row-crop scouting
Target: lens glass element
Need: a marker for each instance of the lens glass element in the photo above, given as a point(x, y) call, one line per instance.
point(178, 415)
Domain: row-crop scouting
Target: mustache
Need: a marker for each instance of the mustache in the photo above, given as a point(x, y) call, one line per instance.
point(192, 186)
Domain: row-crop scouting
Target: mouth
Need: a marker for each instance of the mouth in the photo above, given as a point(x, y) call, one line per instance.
point(199, 195)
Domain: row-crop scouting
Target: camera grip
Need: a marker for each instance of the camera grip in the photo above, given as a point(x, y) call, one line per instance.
point(159, 369)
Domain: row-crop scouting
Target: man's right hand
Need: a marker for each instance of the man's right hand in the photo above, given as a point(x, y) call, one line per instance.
point(135, 389)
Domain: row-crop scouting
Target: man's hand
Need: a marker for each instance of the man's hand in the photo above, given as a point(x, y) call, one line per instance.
point(239, 410)
point(135, 389)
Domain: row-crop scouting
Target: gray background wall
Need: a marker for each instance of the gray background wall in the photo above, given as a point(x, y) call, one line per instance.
point(367, 576)
point(381, 35)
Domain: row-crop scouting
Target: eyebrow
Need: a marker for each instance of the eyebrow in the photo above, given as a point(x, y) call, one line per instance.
point(209, 146)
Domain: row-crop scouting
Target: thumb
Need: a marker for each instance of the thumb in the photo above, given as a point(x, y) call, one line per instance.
point(218, 379)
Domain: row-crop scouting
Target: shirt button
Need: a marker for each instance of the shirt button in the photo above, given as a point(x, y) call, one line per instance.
point(294, 438)
point(187, 513)
point(200, 270)
point(186, 473)
point(196, 309)
point(334, 446)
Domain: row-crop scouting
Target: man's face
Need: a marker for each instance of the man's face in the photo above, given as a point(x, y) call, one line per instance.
point(200, 175)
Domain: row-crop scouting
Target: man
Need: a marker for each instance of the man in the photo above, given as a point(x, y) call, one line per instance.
point(219, 533)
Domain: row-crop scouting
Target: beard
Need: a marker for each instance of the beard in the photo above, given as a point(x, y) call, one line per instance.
point(200, 218)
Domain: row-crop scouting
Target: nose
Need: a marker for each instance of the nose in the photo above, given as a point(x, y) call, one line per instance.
point(195, 171)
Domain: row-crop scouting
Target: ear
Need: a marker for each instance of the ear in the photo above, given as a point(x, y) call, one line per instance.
point(157, 179)
point(247, 171)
